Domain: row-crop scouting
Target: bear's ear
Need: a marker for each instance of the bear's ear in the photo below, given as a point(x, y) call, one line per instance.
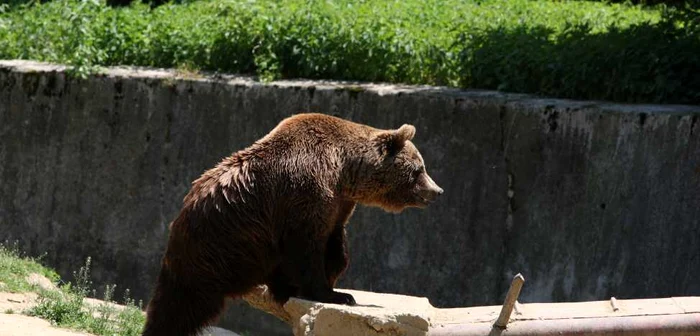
point(393, 141)
point(405, 132)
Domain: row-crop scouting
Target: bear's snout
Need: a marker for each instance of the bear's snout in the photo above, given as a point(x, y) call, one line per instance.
point(430, 194)
point(429, 190)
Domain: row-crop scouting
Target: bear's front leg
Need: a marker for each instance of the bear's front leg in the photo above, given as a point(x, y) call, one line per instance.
point(336, 254)
point(280, 284)
point(309, 259)
point(315, 284)
point(336, 248)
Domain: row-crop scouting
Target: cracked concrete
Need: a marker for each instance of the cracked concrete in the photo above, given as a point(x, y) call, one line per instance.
point(599, 193)
point(391, 314)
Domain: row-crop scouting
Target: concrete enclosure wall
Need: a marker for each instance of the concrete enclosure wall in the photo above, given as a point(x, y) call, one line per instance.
point(587, 200)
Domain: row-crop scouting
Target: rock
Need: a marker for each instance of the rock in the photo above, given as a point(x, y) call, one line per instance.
point(374, 314)
point(41, 281)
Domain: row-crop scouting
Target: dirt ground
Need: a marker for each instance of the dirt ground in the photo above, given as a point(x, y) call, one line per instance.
point(22, 325)
point(16, 324)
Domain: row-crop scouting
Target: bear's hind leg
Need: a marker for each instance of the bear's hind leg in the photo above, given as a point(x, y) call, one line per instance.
point(176, 309)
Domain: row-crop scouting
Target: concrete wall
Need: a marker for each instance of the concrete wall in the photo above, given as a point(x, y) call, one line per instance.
point(587, 200)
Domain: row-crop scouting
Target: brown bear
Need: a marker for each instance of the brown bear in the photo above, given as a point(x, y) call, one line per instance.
point(275, 214)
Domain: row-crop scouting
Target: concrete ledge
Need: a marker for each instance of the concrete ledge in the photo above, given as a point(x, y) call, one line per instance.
point(389, 314)
point(381, 89)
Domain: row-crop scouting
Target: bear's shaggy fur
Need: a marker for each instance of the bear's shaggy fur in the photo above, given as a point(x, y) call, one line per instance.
point(275, 213)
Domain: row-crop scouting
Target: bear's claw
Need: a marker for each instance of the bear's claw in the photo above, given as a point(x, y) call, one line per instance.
point(343, 298)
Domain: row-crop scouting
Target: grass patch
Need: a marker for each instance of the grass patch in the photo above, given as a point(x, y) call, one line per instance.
point(66, 306)
point(15, 268)
point(572, 49)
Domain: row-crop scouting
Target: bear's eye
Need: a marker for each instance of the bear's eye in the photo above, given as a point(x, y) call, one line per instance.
point(416, 172)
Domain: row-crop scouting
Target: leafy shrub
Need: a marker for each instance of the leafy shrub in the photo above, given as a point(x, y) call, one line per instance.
point(639, 64)
point(66, 308)
point(65, 305)
point(15, 267)
point(583, 50)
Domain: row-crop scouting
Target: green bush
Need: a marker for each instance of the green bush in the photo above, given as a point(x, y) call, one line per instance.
point(639, 64)
point(575, 49)
point(66, 308)
point(15, 267)
point(65, 305)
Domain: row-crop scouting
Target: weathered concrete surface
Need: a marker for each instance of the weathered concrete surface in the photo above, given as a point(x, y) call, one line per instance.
point(389, 314)
point(587, 200)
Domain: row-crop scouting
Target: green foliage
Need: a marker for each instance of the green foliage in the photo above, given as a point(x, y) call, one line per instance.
point(576, 49)
point(639, 64)
point(66, 307)
point(130, 321)
point(60, 310)
point(15, 267)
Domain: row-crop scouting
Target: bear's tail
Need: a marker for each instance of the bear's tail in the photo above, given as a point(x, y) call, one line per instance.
point(178, 309)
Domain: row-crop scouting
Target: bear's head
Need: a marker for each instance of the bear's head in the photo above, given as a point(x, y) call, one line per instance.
point(395, 177)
